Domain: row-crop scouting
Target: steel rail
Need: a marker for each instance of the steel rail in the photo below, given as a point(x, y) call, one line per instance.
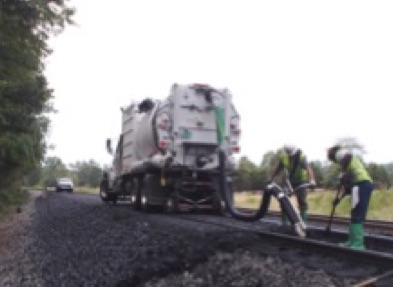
point(372, 256)
point(380, 226)
point(339, 219)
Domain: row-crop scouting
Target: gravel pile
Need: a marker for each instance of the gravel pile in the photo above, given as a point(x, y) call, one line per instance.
point(18, 250)
point(76, 240)
point(243, 268)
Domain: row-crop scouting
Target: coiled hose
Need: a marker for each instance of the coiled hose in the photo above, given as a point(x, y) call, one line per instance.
point(271, 189)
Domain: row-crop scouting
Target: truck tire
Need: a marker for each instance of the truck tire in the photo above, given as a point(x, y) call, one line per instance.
point(152, 196)
point(136, 194)
point(144, 202)
point(144, 194)
point(171, 205)
point(114, 199)
point(136, 200)
point(104, 193)
point(218, 204)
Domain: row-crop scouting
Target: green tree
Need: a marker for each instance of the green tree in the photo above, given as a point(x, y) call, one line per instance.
point(269, 163)
point(88, 173)
point(331, 174)
point(53, 167)
point(389, 173)
point(34, 177)
point(379, 175)
point(258, 178)
point(244, 177)
point(318, 168)
point(25, 27)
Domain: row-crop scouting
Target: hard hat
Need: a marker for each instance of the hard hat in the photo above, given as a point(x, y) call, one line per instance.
point(331, 153)
point(290, 149)
point(337, 152)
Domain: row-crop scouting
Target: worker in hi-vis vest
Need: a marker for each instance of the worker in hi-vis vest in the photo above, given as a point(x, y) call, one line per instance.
point(358, 183)
point(293, 160)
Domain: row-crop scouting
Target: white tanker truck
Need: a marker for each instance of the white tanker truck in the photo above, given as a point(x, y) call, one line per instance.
point(178, 152)
point(167, 154)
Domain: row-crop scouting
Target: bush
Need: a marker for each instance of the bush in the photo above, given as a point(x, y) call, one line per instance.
point(11, 199)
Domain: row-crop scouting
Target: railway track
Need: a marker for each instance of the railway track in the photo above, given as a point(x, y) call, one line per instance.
point(379, 252)
point(371, 226)
point(378, 236)
point(379, 255)
point(380, 248)
point(322, 245)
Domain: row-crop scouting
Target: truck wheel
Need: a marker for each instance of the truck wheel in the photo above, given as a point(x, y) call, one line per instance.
point(218, 204)
point(144, 203)
point(133, 189)
point(104, 195)
point(143, 189)
point(114, 199)
point(136, 200)
point(171, 205)
point(149, 192)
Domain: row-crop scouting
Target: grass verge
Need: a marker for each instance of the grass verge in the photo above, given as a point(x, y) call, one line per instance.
point(11, 200)
point(86, 190)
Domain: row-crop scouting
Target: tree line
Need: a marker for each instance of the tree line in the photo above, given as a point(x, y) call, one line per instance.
point(83, 173)
point(25, 102)
point(253, 177)
point(249, 176)
point(25, 97)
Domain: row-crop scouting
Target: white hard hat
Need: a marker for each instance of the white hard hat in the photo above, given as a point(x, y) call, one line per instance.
point(341, 153)
point(290, 149)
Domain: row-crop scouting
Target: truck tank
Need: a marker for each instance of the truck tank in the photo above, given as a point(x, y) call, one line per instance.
point(167, 153)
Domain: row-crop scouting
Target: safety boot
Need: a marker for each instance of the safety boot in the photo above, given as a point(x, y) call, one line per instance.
point(285, 226)
point(284, 220)
point(303, 215)
point(357, 240)
point(355, 237)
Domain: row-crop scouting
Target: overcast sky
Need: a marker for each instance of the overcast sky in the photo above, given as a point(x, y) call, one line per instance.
point(301, 72)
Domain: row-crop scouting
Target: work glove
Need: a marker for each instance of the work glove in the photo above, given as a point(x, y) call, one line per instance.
point(313, 183)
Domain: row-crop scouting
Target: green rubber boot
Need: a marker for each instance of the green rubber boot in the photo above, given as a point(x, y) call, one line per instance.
point(284, 220)
point(357, 240)
point(303, 215)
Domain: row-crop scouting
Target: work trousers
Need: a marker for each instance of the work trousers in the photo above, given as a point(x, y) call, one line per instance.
point(360, 198)
point(301, 196)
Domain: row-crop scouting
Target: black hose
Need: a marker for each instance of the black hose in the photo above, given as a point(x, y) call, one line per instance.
point(286, 206)
point(225, 193)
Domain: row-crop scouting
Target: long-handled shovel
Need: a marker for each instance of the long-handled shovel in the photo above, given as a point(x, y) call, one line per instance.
point(335, 203)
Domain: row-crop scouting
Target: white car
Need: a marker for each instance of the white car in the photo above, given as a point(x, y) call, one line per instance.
point(64, 183)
